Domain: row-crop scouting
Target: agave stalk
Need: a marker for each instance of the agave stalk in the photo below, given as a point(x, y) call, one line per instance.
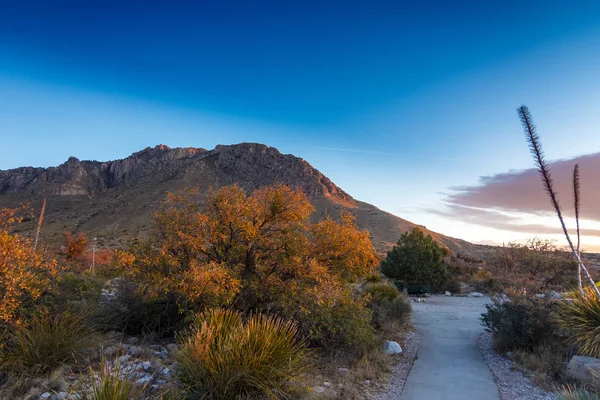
point(39, 226)
point(576, 206)
point(535, 147)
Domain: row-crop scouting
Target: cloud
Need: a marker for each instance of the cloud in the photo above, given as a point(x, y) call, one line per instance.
point(510, 201)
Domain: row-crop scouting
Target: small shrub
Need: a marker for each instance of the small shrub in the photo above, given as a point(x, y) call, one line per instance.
point(381, 291)
point(521, 324)
point(580, 319)
point(569, 393)
point(223, 357)
point(46, 342)
point(394, 313)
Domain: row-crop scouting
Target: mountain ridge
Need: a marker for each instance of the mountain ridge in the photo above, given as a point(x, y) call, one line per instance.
point(114, 200)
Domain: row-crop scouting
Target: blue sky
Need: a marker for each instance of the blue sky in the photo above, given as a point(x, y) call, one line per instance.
point(424, 95)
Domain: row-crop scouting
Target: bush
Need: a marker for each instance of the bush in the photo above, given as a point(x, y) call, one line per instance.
point(223, 357)
point(393, 313)
point(521, 324)
point(579, 317)
point(46, 342)
point(417, 258)
point(381, 291)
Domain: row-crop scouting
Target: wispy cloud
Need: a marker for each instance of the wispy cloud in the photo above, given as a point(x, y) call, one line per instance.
point(387, 154)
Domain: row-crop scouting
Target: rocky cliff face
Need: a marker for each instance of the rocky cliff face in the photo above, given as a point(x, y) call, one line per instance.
point(114, 200)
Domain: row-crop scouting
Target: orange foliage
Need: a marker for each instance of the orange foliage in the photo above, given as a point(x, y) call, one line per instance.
point(76, 244)
point(253, 250)
point(24, 274)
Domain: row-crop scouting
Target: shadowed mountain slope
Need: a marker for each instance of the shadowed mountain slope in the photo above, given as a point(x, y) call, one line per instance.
point(114, 200)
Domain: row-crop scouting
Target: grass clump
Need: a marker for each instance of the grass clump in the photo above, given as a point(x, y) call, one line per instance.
point(109, 384)
point(569, 393)
point(381, 291)
point(46, 342)
point(579, 317)
point(223, 356)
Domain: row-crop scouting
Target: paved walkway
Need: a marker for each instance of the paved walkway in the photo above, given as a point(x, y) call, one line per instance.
point(449, 365)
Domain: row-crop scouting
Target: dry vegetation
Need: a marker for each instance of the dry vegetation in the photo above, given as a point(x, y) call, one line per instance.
point(262, 301)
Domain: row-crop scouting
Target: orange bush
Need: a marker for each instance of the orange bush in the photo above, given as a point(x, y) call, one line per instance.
point(255, 251)
point(24, 274)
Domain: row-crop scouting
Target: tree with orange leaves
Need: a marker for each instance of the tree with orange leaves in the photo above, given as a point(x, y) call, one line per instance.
point(253, 251)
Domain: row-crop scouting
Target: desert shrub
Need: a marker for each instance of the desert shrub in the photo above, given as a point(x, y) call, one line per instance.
point(579, 317)
point(416, 258)
point(76, 244)
point(536, 267)
point(521, 323)
point(393, 313)
point(254, 252)
point(25, 276)
point(223, 356)
point(546, 361)
point(46, 342)
point(569, 393)
point(380, 292)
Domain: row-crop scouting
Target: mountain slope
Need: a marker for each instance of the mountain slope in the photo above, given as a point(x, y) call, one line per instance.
point(114, 200)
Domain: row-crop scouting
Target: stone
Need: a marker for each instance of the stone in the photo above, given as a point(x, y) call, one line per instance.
point(156, 347)
point(392, 348)
point(172, 347)
point(447, 293)
point(144, 380)
point(46, 395)
point(133, 340)
point(63, 395)
point(165, 371)
point(135, 351)
point(327, 384)
point(343, 370)
point(319, 389)
point(146, 365)
point(110, 351)
point(585, 369)
point(475, 294)
point(163, 354)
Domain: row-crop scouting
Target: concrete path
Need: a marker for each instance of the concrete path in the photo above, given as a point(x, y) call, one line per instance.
point(449, 364)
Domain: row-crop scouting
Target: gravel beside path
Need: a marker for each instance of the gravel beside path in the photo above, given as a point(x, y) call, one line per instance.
point(410, 347)
point(512, 385)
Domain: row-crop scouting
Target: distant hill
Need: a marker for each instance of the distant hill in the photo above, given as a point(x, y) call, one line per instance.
point(114, 200)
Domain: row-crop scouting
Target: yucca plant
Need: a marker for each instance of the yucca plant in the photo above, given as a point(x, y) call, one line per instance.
point(223, 356)
point(46, 342)
point(580, 319)
point(535, 147)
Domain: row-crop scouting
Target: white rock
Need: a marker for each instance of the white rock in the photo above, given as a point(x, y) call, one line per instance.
point(110, 351)
point(392, 347)
point(343, 370)
point(448, 293)
point(327, 384)
point(146, 365)
point(135, 350)
point(475, 294)
point(172, 347)
point(46, 395)
point(319, 389)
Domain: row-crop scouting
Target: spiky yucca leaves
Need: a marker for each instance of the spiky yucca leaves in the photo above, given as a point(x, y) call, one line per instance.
point(46, 342)
point(580, 318)
point(223, 356)
point(570, 393)
point(535, 146)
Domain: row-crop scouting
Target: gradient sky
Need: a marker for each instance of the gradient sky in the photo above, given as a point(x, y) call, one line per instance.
point(400, 104)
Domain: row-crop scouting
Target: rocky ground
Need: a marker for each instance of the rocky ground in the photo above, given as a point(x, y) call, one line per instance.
point(512, 384)
point(151, 366)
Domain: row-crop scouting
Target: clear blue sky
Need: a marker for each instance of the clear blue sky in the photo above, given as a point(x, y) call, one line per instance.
point(423, 94)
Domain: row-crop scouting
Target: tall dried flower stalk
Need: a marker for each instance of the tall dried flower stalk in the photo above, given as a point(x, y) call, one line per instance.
point(39, 226)
point(576, 206)
point(535, 147)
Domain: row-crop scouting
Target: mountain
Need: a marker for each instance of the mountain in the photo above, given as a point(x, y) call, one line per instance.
point(114, 200)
